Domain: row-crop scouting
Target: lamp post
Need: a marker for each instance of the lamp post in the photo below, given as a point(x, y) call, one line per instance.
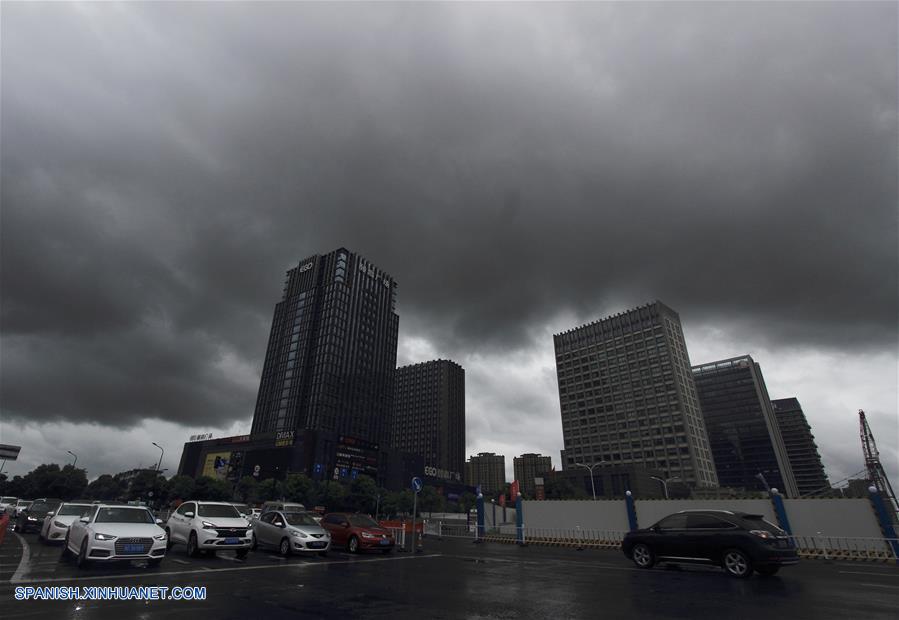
point(75, 455)
point(664, 484)
point(161, 453)
point(590, 469)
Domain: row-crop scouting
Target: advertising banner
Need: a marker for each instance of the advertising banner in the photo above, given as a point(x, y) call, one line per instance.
point(216, 465)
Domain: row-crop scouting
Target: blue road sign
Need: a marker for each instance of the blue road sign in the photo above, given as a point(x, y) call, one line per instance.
point(417, 484)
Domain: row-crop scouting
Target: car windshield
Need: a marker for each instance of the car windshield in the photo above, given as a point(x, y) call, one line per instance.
point(124, 515)
point(758, 522)
point(44, 507)
point(242, 508)
point(80, 510)
point(363, 521)
point(7, 500)
point(23, 502)
point(299, 518)
point(218, 510)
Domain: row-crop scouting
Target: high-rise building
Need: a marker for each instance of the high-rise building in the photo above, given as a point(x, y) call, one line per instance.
point(743, 431)
point(429, 415)
point(627, 396)
point(530, 466)
point(487, 470)
point(331, 356)
point(801, 447)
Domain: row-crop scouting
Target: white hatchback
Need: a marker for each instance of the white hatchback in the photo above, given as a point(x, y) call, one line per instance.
point(113, 533)
point(209, 526)
point(57, 524)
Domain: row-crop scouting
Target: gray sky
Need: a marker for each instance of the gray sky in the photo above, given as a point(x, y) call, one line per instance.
point(519, 170)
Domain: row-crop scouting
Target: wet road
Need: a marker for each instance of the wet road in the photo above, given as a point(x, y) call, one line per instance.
point(452, 579)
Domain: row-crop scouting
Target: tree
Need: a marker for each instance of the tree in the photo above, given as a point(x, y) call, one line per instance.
point(14, 487)
point(332, 494)
point(563, 489)
point(212, 490)
point(247, 489)
point(145, 483)
point(105, 488)
point(49, 480)
point(181, 488)
point(363, 495)
point(268, 490)
point(299, 488)
point(397, 503)
point(467, 501)
point(429, 500)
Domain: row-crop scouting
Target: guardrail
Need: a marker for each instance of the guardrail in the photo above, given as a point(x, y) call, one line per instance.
point(846, 548)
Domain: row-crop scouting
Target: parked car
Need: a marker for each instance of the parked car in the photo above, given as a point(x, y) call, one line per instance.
point(244, 510)
point(357, 532)
point(283, 507)
point(110, 533)
point(31, 518)
point(21, 505)
point(57, 523)
point(290, 532)
point(209, 526)
point(737, 541)
point(6, 503)
point(255, 513)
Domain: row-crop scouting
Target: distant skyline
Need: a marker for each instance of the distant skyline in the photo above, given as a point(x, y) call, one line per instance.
point(519, 169)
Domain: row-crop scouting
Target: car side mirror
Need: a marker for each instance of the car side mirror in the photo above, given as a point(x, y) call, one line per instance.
point(50, 514)
point(85, 519)
point(279, 524)
point(189, 515)
point(158, 521)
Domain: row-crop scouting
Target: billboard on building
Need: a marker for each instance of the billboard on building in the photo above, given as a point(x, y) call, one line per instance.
point(217, 465)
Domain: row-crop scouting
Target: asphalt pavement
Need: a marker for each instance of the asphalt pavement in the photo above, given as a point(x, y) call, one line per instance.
point(453, 578)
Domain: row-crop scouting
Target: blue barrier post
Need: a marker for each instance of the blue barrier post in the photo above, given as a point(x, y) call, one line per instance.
point(883, 516)
point(631, 510)
point(480, 526)
point(519, 520)
point(780, 510)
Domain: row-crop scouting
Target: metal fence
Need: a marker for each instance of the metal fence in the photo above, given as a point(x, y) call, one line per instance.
point(847, 548)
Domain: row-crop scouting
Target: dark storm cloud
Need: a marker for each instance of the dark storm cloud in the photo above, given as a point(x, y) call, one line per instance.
point(163, 164)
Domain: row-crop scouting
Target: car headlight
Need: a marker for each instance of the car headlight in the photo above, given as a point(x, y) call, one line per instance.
point(298, 534)
point(368, 535)
point(162, 536)
point(762, 533)
point(208, 526)
point(58, 524)
point(31, 518)
point(99, 536)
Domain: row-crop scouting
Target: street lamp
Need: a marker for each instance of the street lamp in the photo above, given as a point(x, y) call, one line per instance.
point(590, 469)
point(75, 455)
point(665, 483)
point(162, 451)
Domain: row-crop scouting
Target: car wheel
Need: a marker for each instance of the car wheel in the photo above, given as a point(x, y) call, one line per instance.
point(737, 564)
point(284, 547)
point(193, 549)
point(82, 554)
point(241, 554)
point(767, 571)
point(643, 556)
point(65, 548)
point(353, 545)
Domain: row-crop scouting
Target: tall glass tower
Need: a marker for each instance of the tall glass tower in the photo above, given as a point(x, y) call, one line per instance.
point(331, 357)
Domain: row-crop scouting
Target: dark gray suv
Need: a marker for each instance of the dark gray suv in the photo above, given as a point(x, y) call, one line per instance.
point(737, 541)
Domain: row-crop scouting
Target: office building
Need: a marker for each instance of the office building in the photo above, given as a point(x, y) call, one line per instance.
point(627, 396)
point(429, 415)
point(331, 356)
point(487, 470)
point(530, 466)
point(743, 432)
point(802, 450)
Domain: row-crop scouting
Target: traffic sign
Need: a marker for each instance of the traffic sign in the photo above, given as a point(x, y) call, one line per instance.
point(417, 484)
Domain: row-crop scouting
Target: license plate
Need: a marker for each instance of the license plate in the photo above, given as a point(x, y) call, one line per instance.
point(316, 545)
point(385, 541)
point(232, 541)
point(133, 548)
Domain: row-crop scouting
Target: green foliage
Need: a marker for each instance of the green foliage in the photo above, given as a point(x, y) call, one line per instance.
point(106, 488)
point(48, 480)
point(362, 495)
point(563, 489)
point(181, 488)
point(299, 488)
point(212, 490)
point(146, 482)
point(429, 500)
point(247, 489)
point(331, 495)
point(467, 501)
point(268, 490)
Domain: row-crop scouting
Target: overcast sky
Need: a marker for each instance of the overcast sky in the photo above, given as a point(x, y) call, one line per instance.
point(518, 169)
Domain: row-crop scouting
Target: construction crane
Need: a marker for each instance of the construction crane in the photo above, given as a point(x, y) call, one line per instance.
point(876, 475)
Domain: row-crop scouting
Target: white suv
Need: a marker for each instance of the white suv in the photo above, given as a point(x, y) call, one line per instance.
point(110, 533)
point(209, 526)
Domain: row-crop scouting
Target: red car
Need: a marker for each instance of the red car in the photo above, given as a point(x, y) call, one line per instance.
point(357, 532)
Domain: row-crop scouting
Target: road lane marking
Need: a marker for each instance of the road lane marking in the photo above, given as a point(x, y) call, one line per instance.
point(24, 563)
point(878, 585)
point(147, 574)
point(185, 562)
point(860, 572)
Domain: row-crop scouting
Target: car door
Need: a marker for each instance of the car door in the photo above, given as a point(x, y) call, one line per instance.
point(705, 535)
point(180, 522)
point(264, 533)
point(671, 536)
